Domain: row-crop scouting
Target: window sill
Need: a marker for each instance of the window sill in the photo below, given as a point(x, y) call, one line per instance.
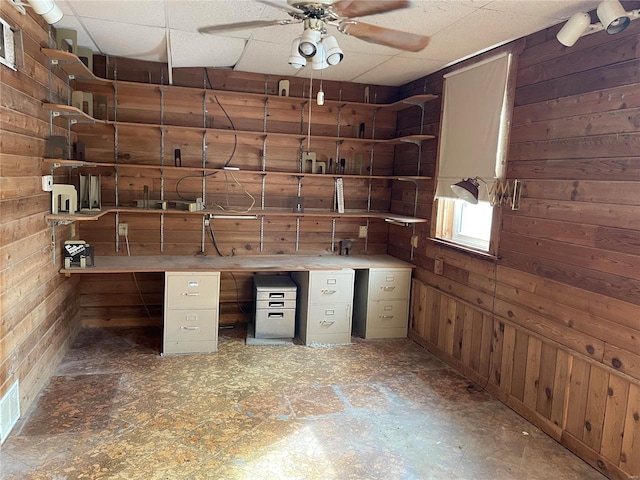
point(465, 249)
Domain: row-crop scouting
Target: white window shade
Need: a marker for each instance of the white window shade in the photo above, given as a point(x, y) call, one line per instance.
point(473, 127)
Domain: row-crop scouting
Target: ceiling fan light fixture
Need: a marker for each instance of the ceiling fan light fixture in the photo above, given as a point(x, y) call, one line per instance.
point(613, 16)
point(319, 61)
point(309, 43)
point(333, 53)
point(296, 60)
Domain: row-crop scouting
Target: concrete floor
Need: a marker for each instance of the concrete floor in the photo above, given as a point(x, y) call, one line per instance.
point(115, 408)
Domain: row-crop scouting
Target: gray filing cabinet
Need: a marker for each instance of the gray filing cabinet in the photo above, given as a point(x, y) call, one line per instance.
point(325, 305)
point(275, 297)
point(191, 312)
point(382, 302)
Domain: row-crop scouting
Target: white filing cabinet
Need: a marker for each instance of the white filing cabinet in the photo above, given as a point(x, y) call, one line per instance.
point(275, 297)
point(381, 307)
point(191, 312)
point(325, 305)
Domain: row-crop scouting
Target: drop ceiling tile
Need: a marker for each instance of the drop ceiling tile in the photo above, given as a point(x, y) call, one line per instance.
point(399, 71)
point(475, 33)
point(267, 58)
point(282, 34)
point(197, 50)
point(132, 41)
point(191, 15)
point(145, 12)
point(543, 8)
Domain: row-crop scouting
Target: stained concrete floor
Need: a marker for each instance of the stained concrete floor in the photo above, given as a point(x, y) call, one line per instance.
point(115, 408)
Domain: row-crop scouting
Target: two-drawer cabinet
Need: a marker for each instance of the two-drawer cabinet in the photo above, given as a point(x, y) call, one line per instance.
point(325, 305)
point(381, 307)
point(191, 312)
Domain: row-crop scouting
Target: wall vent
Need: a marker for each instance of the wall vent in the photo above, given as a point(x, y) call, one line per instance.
point(9, 411)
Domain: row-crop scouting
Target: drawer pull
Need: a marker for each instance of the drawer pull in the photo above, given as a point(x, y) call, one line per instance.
point(327, 291)
point(388, 289)
point(276, 295)
point(276, 315)
point(327, 323)
point(276, 304)
point(190, 328)
point(386, 316)
point(191, 294)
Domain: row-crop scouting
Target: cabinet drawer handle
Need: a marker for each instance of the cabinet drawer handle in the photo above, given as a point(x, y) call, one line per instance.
point(190, 328)
point(276, 304)
point(276, 295)
point(388, 289)
point(191, 294)
point(327, 291)
point(386, 316)
point(327, 323)
point(275, 315)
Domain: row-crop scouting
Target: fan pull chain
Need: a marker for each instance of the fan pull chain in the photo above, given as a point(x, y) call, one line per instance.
point(310, 102)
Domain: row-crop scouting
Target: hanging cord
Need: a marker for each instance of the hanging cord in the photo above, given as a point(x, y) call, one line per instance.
point(472, 388)
point(227, 209)
point(212, 236)
point(310, 103)
point(135, 280)
point(233, 127)
point(233, 151)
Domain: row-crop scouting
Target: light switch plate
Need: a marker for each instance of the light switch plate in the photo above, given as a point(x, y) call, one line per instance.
point(362, 232)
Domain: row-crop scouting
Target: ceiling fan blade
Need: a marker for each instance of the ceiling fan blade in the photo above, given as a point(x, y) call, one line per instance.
point(245, 25)
point(361, 8)
point(384, 36)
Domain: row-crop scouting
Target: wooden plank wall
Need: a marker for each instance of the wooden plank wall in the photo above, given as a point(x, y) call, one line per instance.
point(140, 109)
point(553, 326)
point(38, 306)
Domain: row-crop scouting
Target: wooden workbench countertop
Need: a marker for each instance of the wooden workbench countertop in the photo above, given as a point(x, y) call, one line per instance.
point(258, 263)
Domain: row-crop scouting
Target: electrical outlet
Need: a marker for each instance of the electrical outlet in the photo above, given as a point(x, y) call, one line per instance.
point(47, 183)
point(206, 222)
point(362, 232)
point(123, 229)
point(414, 241)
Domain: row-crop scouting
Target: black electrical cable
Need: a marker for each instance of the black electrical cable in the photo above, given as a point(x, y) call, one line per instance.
point(233, 127)
point(233, 151)
point(235, 281)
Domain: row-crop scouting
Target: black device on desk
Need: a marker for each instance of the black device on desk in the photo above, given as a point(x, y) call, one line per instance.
point(77, 254)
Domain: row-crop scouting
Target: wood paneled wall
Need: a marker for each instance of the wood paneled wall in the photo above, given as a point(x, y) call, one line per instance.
point(552, 327)
point(149, 129)
point(38, 306)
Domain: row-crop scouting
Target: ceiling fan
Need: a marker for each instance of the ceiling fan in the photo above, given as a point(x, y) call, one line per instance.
point(317, 14)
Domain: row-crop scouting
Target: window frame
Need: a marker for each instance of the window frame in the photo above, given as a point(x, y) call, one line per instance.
point(443, 208)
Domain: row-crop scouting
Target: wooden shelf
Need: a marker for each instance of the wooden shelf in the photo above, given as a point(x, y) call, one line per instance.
point(55, 162)
point(72, 65)
point(60, 162)
point(94, 215)
point(265, 135)
point(70, 112)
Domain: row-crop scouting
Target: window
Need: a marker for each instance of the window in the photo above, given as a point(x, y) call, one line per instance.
point(473, 139)
point(10, 46)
